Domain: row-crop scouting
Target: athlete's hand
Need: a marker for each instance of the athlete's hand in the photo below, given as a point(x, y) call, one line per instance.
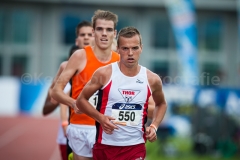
point(107, 125)
point(151, 134)
point(75, 108)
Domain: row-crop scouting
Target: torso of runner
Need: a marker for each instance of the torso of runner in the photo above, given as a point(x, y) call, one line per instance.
point(126, 99)
point(80, 80)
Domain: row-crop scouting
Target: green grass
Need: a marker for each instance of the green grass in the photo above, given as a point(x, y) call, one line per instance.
point(181, 150)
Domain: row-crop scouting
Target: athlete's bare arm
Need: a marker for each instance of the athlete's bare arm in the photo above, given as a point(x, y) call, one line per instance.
point(50, 105)
point(98, 80)
point(64, 116)
point(61, 68)
point(75, 65)
point(151, 107)
point(160, 104)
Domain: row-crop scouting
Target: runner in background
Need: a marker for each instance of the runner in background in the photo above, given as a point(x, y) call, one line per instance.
point(81, 132)
point(84, 37)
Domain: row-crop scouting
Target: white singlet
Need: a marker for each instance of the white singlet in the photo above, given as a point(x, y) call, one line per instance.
point(126, 99)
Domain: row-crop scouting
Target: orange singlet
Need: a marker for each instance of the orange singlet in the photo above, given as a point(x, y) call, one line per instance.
point(79, 81)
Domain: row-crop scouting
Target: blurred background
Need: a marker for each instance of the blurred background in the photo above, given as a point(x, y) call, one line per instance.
point(193, 45)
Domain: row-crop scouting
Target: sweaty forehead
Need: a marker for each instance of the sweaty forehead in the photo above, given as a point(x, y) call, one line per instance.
point(104, 23)
point(129, 42)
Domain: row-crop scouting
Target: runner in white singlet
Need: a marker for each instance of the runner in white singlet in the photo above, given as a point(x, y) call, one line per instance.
point(124, 91)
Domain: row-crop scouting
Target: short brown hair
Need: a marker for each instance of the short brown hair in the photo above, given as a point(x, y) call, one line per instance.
point(82, 24)
point(107, 15)
point(129, 32)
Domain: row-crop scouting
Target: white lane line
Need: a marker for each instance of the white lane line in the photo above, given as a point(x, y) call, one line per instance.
point(12, 134)
point(55, 155)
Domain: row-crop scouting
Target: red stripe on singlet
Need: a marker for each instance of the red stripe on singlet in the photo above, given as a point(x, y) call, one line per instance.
point(145, 112)
point(103, 107)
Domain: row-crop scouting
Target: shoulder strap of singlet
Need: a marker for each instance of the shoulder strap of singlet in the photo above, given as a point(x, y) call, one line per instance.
point(115, 56)
point(89, 52)
point(115, 68)
point(143, 70)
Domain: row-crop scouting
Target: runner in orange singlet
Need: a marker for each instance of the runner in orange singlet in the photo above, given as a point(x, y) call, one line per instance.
point(83, 38)
point(82, 131)
point(79, 81)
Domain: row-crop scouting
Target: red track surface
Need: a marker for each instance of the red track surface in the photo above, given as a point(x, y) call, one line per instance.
point(28, 138)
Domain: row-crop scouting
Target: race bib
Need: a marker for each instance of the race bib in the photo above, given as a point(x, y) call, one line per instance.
point(94, 100)
point(127, 114)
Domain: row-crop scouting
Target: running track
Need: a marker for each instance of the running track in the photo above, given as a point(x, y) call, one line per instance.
point(28, 138)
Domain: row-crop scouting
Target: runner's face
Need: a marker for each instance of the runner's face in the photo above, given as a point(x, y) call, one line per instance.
point(129, 50)
point(85, 37)
point(104, 33)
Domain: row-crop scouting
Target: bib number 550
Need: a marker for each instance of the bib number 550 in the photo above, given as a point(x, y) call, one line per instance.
point(126, 116)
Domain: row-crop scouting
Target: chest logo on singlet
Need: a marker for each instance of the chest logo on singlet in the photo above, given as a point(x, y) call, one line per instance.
point(128, 95)
point(139, 81)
